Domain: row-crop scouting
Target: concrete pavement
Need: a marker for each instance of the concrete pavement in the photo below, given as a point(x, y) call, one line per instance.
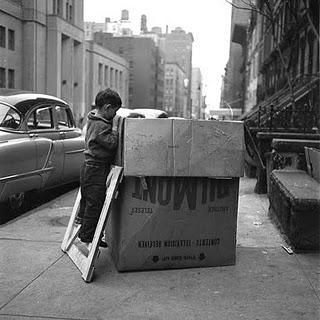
point(39, 281)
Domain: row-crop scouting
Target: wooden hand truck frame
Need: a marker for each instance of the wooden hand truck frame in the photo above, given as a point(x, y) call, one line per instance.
point(85, 257)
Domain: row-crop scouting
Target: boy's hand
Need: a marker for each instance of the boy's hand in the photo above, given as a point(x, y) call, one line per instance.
point(115, 122)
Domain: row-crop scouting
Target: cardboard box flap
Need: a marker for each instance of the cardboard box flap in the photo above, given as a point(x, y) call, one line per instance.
point(178, 147)
point(147, 147)
point(217, 149)
point(182, 148)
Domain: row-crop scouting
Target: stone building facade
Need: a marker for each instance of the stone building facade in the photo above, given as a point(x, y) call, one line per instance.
point(177, 47)
point(146, 68)
point(175, 93)
point(196, 94)
point(287, 61)
point(105, 69)
point(42, 48)
point(232, 94)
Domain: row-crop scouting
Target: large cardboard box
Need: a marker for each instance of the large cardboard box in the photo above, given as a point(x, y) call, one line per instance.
point(178, 147)
point(173, 222)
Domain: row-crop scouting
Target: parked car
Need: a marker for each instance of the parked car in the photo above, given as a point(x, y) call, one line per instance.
point(152, 113)
point(40, 145)
point(176, 118)
point(129, 113)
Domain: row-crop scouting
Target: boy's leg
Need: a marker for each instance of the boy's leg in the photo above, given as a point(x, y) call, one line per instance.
point(94, 182)
point(95, 197)
point(79, 217)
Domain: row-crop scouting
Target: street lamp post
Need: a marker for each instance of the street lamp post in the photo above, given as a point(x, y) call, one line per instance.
point(231, 111)
point(199, 101)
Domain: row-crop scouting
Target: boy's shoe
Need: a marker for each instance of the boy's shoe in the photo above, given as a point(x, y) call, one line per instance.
point(78, 220)
point(84, 247)
point(102, 244)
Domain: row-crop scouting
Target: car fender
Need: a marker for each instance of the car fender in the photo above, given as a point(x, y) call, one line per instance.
point(31, 173)
point(11, 152)
point(74, 157)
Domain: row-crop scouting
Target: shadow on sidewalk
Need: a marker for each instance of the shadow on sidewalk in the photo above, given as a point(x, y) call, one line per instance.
point(34, 200)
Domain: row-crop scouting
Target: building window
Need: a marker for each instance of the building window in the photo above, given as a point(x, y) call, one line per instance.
point(116, 80)
point(111, 78)
point(100, 73)
point(71, 15)
point(11, 78)
point(11, 39)
point(2, 37)
point(69, 10)
point(59, 8)
point(106, 71)
point(120, 81)
point(2, 77)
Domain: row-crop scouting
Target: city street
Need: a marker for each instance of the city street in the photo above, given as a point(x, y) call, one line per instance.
point(193, 130)
point(39, 281)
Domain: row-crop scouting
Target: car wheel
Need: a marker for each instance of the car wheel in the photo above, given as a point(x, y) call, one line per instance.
point(17, 200)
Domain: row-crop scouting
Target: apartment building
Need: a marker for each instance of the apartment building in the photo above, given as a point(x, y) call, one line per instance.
point(42, 48)
point(119, 28)
point(177, 47)
point(146, 68)
point(175, 92)
point(233, 94)
point(196, 93)
point(105, 69)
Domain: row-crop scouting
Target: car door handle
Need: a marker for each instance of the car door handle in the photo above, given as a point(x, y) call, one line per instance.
point(62, 135)
point(33, 135)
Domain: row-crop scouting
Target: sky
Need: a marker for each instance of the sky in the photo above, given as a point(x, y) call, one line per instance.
point(208, 21)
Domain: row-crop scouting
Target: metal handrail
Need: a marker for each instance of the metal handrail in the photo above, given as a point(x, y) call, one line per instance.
point(254, 146)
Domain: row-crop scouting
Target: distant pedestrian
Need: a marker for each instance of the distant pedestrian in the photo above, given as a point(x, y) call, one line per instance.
point(101, 140)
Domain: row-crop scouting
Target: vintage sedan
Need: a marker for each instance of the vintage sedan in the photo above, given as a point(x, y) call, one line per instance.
point(152, 113)
point(40, 145)
point(129, 113)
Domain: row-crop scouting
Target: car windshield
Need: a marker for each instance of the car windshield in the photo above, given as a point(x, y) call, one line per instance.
point(9, 117)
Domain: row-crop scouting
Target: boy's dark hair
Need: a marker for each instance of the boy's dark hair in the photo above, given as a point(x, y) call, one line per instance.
point(108, 96)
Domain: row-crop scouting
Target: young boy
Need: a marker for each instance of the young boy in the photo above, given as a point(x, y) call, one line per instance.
point(101, 141)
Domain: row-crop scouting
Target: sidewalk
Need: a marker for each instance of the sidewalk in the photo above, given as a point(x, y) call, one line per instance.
point(39, 281)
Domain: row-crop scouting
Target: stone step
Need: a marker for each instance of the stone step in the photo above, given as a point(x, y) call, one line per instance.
point(294, 199)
